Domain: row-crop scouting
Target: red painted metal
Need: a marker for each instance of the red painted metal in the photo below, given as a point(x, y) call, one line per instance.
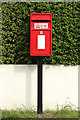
point(44, 21)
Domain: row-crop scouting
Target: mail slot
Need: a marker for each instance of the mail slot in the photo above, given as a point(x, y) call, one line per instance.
point(40, 34)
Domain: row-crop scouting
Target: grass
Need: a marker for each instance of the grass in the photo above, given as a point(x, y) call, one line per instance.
point(67, 110)
point(64, 112)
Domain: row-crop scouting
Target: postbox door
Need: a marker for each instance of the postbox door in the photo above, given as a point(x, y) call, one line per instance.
point(41, 42)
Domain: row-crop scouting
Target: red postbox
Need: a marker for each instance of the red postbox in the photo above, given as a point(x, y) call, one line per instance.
point(40, 34)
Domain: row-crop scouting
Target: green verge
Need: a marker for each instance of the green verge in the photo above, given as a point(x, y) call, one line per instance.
point(65, 32)
point(67, 110)
point(46, 114)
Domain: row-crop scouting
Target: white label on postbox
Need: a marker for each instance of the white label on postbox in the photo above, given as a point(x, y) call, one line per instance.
point(41, 41)
point(41, 25)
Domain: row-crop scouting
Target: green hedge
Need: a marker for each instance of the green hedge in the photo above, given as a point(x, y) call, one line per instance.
point(65, 32)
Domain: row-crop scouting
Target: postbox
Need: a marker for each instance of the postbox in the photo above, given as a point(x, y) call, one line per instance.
point(40, 34)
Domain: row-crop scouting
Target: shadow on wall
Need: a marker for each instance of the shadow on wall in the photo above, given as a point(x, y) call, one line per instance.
point(27, 70)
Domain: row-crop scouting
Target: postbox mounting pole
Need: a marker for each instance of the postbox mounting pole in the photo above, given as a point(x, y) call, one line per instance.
point(39, 98)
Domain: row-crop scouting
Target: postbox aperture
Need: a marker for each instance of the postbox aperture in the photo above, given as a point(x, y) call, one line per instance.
point(41, 34)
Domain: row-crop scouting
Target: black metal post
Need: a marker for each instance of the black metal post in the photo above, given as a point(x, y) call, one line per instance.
point(39, 99)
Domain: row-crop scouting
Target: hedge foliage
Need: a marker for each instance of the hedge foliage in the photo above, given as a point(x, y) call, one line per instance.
point(65, 32)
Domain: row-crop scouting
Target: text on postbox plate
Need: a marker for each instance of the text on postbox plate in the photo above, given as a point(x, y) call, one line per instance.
point(41, 25)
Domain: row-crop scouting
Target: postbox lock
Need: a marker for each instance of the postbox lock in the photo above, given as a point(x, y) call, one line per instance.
point(41, 32)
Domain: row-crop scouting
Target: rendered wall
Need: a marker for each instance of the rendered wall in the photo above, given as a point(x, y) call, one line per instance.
point(18, 86)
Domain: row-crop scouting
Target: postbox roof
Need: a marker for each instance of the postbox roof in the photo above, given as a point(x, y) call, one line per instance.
point(41, 16)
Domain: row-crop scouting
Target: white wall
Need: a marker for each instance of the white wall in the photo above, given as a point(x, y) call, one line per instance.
point(18, 86)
